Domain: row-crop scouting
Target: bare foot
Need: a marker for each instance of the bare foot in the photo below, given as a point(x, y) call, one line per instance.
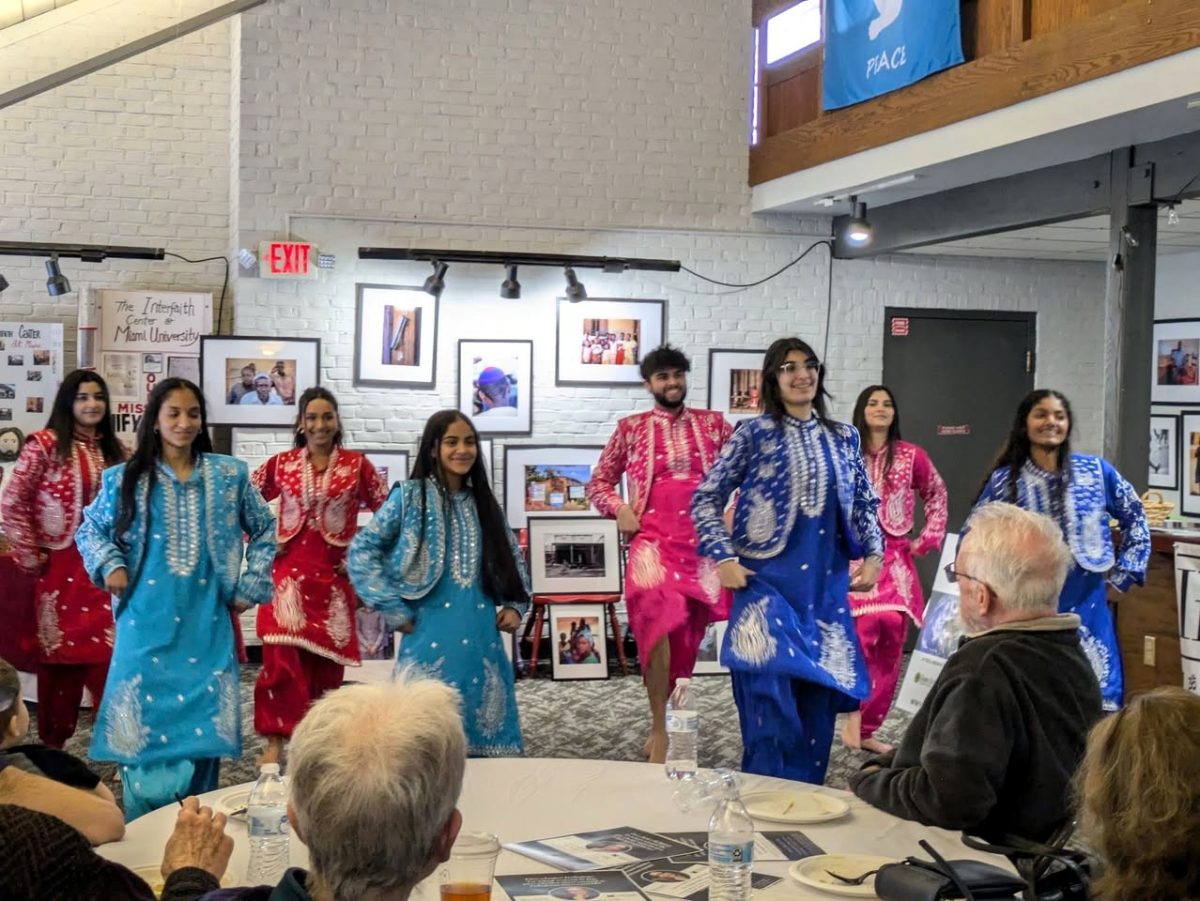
point(875, 746)
point(273, 752)
point(852, 731)
point(656, 747)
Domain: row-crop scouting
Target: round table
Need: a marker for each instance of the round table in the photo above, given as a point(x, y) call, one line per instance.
point(523, 799)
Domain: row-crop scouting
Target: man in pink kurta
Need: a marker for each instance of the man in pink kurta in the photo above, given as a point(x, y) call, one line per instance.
point(671, 592)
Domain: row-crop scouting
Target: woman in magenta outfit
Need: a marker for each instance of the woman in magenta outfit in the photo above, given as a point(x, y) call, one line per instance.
point(899, 471)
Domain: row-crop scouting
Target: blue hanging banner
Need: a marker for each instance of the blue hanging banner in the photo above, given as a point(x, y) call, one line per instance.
point(876, 46)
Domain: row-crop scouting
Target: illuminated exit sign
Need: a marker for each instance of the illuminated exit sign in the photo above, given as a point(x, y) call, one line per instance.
point(287, 259)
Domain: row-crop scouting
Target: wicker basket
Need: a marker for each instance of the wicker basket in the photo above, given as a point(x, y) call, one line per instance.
point(1157, 510)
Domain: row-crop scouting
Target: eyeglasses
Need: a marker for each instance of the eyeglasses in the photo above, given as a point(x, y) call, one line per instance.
point(791, 366)
point(954, 575)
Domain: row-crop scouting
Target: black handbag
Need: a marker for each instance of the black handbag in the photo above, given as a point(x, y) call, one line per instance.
point(1051, 873)
point(941, 879)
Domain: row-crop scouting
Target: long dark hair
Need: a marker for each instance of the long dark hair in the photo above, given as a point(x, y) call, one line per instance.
point(860, 422)
point(775, 357)
point(1016, 449)
point(144, 461)
point(316, 392)
point(501, 578)
point(62, 417)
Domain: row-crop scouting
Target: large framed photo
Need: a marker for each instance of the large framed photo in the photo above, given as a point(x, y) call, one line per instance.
point(735, 382)
point(578, 649)
point(392, 465)
point(602, 342)
point(547, 481)
point(708, 655)
point(255, 381)
point(573, 555)
point(1164, 452)
point(395, 337)
point(1189, 465)
point(1176, 365)
point(495, 385)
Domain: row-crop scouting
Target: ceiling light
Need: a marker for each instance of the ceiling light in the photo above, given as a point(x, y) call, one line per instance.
point(1172, 216)
point(436, 284)
point(575, 290)
point(56, 284)
point(510, 289)
point(858, 229)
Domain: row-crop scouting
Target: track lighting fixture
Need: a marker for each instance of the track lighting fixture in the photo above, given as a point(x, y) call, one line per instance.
point(436, 284)
point(1172, 215)
point(3, 283)
point(510, 288)
point(56, 284)
point(858, 229)
point(575, 290)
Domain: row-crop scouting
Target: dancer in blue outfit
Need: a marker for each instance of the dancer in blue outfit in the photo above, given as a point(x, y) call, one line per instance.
point(165, 537)
point(1036, 470)
point(439, 559)
point(805, 509)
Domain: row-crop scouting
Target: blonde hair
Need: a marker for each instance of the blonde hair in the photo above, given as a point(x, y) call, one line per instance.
point(1139, 798)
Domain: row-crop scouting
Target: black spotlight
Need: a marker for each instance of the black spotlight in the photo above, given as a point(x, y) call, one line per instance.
point(3, 283)
point(435, 284)
point(56, 284)
point(858, 229)
point(575, 289)
point(510, 288)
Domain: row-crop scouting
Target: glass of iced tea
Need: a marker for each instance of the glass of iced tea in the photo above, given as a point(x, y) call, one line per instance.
point(467, 875)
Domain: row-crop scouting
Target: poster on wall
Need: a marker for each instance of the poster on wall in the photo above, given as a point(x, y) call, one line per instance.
point(147, 336)
point(395, 337)
point(1189, 466)
point(1176, 364)
point(31, 368)
point(1187, 587)
point(735, 382)
point(1164, 452)
point(602, 342)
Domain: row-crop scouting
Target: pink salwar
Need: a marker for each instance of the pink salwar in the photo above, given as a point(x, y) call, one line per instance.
point(881, 636)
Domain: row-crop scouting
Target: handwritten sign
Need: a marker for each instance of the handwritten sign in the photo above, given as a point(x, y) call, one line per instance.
point(154, 321)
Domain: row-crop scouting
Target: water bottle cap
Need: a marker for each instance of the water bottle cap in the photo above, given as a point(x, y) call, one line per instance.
point(269, 769)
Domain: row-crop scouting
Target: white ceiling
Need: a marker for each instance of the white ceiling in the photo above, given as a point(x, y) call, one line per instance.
point(14, 11)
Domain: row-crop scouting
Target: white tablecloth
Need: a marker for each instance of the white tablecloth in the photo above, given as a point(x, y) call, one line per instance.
point(523, 799)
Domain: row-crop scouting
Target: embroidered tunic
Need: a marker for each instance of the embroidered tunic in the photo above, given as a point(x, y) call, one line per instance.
point(41, 508)
point(1093, 493)
point(912, 473)
point(439, 590)
point(173, 688)
point(314, 603)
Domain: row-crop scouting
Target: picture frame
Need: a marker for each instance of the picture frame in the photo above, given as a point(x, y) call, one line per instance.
point(1189, 465)
point(1175, 366)
point(547, 480)
point(1164, 452)
point(486, 451)
point(290, 365)
point(617, 334)
point(395, 336)
point(577, 631)
point(394, 465)
point(574, 555)
point(495, 385)
point(735, 382)
point(708, 655)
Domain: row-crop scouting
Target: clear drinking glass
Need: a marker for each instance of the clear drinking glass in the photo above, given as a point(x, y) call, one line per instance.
point(467, 875)
point(705, 789)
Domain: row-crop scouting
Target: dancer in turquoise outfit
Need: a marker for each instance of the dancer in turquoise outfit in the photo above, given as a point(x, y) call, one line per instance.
point(439, 559)
point(165, 537)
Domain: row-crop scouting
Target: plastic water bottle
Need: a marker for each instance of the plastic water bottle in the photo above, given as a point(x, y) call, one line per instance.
point(683, 731)
point(270, 833)
point(730, 846)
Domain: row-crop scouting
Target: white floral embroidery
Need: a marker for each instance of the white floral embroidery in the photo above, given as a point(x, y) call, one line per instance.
point(336, 513)
point(226, 719)
point(52, 516)
point(709, 580)
point(289, 606)
point(126, 734)
point(751, 639)
point(493, 708)
point(645, 567)
point(50, 636)
point(1099, 656)
point(837, 654)
point(902, 579)
point(761, 520)
point(338, 624)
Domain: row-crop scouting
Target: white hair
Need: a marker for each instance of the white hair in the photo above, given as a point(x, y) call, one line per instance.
point(1020, 555)
point(376, 771)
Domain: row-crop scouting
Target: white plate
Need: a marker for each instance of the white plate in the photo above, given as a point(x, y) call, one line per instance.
point(790, 806)
point(226, 804)
point(812, 872)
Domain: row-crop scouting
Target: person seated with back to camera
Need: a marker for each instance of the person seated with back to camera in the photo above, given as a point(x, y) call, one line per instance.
point(993, 749)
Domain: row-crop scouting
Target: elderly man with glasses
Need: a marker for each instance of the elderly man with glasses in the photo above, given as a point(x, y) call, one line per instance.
point(993, 748)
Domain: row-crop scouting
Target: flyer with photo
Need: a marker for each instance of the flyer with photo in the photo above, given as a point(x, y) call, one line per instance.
point(607, 848)
point(684, 877)
point(771, 846)
point(596, 885)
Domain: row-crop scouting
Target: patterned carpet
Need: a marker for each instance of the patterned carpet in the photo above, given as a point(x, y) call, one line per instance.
point(584, 719)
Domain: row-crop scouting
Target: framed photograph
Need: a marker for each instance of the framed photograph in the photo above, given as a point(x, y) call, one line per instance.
point(708, 655)
point(485, 451)
point(573, 555)
point(601, 342)
point(255, 381)
point(495, 385)
point(1189, 465)
point(391, 464)
point(577, 643)
point(1164, 452)
point(1176, 362)
point(395, 337)
point(734, 382)
point(547, 481)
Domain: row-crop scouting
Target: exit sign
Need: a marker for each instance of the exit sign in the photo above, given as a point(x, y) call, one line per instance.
point(287, 259)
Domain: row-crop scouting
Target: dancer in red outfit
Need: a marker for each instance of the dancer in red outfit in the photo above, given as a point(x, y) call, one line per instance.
point(308, 631)
point(56, 476)
point(899, 471)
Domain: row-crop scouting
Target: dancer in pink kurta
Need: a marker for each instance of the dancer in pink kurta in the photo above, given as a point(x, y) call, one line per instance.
point(899, 471)
point(671, 592)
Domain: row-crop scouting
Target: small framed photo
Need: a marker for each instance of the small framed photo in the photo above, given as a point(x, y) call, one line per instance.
point(572, 555)
point(395, 337)
point(1176, 364)
point(1164, 452)
point(578, 649)
point(1189, 492)
point(392, 465)
point(255, 381)
point(735, 382)
point(485, 451)
point(602, 342)
point(495, 385)
point(547, 481)
point(708, 655)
